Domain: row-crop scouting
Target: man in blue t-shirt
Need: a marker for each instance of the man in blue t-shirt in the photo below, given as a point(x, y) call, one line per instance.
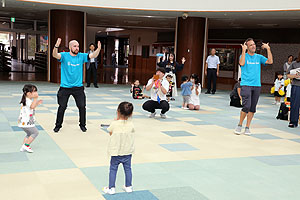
point(71, 81)
point(250, 63)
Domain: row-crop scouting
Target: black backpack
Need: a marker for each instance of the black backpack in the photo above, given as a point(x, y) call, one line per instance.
point(283, 112)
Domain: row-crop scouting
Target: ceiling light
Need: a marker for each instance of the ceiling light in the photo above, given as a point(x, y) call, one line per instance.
point(113, 29)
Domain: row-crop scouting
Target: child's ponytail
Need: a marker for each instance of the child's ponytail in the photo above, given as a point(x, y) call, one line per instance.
point(23, 100)
point(27, 88)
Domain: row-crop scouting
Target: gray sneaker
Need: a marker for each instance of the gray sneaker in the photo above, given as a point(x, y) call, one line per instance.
point(247, 131)
point(152, 115)
point(163, 116)
point(238, 130)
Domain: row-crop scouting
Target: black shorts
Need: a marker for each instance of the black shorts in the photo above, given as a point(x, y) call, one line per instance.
point(276, 94)
point(250, 96)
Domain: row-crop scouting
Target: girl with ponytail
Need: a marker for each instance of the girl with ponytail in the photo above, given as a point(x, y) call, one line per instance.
point(26, 119)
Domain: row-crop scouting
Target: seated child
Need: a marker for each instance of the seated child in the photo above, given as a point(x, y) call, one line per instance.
point(137, 92)
point(235, 95)
point(169, 78)
point(194, 103)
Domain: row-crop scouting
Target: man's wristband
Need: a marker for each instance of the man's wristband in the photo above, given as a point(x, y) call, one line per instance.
point(56, 47)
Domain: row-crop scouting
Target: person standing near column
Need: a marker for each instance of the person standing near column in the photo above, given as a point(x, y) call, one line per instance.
point(171, 67)
point(250, 63)
point(71, 81)
point(287, 64)
point(212, 71)
point(91, 68)
point(293, 72)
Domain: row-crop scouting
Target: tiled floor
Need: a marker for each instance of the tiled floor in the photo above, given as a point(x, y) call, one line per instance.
point(190, 155)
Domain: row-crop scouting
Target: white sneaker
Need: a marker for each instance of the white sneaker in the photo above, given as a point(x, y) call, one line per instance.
point(152, 115)
point(106, 190)
point(127, 189)
point(278, 103)
point(238, 130)
point(247, 131)
point(163, 116)
point(25, 148)
point(274, 103)
point(185, 108)
point(22, 149)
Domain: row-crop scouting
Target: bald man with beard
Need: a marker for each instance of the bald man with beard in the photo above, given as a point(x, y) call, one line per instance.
point(72, 81)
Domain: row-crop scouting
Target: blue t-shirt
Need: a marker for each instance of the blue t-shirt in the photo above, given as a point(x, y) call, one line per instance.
point(72, 69)
point(251, 70)
point(186, 89)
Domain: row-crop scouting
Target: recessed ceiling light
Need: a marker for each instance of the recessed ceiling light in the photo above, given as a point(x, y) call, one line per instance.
point(267, 25)
point(113, 29)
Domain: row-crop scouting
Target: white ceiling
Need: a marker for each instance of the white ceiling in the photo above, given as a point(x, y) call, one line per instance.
point(164, 20)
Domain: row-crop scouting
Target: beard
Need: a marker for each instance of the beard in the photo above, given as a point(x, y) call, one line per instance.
point(75, 52)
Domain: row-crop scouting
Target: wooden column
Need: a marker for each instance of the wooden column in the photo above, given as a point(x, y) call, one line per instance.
point(190, 44)
point(67, 25)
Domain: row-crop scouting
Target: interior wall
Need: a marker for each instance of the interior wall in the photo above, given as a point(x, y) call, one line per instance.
point(280, 53)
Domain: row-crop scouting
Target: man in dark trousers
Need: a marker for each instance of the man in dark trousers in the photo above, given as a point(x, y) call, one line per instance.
point(91, 68)
point(71, 81)
point(212, 71)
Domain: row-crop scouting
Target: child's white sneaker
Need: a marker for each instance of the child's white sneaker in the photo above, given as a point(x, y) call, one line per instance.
point(127, 189)
point(186, 108)
point(26, 148)
point(106, 190)
point(274, 103)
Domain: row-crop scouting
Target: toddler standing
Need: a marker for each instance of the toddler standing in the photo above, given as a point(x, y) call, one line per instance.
point(186, 91)
point(121, 147)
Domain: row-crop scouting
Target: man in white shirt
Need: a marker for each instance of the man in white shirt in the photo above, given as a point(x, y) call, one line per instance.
point(212, 71)
point(159, 89)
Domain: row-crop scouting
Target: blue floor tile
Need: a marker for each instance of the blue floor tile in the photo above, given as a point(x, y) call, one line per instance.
point(13, 157)
point(295, 140)
point(280, 160)
point(177, 133)
point(198, 122)
point(39, 127)
point(265, 136)
point(168, 119)
point(178, 193)
point(136, 195)
point(16, 128)
point(179, 147)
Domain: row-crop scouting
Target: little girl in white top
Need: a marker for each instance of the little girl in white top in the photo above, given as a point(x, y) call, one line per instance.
point(121, 147)
point(26, 119)
point(196, 91)
point(279, 88)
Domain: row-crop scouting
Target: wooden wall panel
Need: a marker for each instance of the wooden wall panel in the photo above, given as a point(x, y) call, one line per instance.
point(67, 25)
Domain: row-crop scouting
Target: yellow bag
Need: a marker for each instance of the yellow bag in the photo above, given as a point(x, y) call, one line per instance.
point(287, 81)
point(272, 90)
point(281, 92)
